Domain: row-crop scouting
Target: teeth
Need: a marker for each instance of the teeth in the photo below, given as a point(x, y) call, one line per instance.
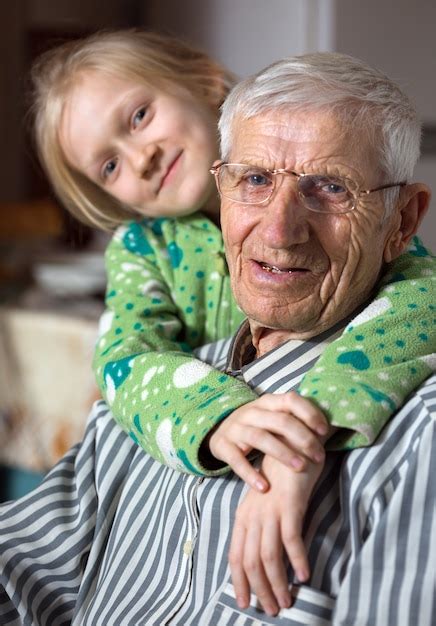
point(274, 270)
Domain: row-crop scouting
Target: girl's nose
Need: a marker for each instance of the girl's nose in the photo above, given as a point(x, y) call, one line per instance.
point(143, 159)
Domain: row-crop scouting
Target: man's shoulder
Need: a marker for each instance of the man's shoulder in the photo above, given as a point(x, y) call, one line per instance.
point(215, 354)
point(427, 395)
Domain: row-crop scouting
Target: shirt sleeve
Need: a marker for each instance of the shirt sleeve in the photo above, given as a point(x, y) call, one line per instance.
point(158, 392)
point(386, 352)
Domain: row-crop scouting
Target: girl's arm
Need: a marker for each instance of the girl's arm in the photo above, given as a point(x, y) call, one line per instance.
point(386, 352)
point(160, 292)
point(267, 534)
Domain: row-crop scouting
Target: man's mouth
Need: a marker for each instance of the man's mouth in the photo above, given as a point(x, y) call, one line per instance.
point(273, 269)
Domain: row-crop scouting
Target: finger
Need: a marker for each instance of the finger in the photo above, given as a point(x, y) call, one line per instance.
point(255, 572)
point(282, 436)
point(272, 559)
point(239, 579)
point(308, 412)
point(295, 548)
point(275, 446)
point(257, 427)
point(232, 455)
point(302, 441)
point(292, 402)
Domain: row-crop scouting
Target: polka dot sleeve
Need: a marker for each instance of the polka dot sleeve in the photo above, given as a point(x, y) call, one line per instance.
point(385, 353)
point(168, 292)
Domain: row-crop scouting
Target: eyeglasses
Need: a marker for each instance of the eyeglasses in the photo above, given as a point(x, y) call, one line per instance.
point(321, 193)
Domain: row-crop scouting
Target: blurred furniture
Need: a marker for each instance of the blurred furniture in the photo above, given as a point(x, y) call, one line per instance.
point(46, 384)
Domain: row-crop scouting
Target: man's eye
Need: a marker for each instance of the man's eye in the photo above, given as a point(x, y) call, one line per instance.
point(334, 188)
point(256, 179)
point(139, 116)
point(109, 168)
point(323, 185)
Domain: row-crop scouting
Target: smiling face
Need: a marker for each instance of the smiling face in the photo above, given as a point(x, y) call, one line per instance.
point(294, 270)
point(149, 149)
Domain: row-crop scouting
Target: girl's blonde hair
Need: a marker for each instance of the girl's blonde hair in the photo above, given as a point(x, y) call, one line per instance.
point(147, 58)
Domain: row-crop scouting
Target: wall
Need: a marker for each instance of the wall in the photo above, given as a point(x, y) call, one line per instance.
point(11, 100)
point(20, 21)
point(399, 37)
point(245, 35)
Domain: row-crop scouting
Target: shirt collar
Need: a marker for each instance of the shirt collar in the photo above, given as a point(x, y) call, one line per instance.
point(242, 362)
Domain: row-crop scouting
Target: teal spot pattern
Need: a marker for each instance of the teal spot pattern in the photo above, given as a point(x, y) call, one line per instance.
point(378, 396)
point(138, 424)
point(209, 401)
point(113, 345)
point(419, 249)
point(156, 225)
point(135, 240)
point(134, 437)
point(355, 358)
point(181, 454)
point(176, 254)
point(119, 370)
point(397, 277)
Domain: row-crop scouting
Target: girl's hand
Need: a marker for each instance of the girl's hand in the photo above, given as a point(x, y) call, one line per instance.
point(267, 528)
point(284, 426)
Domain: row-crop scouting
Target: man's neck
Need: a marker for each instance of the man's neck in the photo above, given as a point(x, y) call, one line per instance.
point(266, 339)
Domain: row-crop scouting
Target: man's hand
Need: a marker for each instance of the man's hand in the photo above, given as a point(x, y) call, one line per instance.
point(267, 526)
point(284, 426)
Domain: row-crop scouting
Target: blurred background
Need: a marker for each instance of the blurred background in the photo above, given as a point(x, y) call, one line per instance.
point(51, 274)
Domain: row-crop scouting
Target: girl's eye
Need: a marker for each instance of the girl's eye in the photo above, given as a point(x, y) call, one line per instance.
point(109, 168)
point(139, 116)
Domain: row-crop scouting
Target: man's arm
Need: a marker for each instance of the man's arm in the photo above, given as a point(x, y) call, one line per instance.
point(391, 576)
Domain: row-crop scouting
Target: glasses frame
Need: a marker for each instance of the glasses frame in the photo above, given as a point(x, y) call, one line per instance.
point(356, 194)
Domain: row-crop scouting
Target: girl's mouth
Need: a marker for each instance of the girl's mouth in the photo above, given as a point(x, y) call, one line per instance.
point(170, 171)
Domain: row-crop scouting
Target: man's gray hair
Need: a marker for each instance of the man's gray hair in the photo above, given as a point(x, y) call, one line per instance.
point(361, 97)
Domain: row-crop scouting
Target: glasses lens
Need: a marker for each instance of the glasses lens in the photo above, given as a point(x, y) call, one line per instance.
point(243, 183)
point(325, 194)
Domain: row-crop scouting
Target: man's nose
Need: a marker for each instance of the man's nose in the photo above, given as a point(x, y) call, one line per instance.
point(285, 220)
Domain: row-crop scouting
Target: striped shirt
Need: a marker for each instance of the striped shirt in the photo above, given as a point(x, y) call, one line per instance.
point(113, 538)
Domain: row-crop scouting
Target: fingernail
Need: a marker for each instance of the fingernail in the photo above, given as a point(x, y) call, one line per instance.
point(271, 610)
point(260, 486)
point(302, 575)
point(285, 601)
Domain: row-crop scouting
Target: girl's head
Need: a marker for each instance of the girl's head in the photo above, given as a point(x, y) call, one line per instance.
point(125, 124)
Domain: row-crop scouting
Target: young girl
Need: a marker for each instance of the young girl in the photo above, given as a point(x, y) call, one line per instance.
point(126, 130)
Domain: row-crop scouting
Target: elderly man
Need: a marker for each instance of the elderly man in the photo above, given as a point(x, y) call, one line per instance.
point(112, 537)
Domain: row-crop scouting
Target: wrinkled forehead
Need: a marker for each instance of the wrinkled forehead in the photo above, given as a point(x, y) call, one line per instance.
point(286, 138)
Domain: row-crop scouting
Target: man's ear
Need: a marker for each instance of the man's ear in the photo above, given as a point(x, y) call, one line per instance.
point(410, 211)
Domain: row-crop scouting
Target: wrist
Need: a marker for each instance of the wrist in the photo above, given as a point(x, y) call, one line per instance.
point(205, 456)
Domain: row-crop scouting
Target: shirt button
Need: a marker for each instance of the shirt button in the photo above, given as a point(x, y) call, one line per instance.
point(187, 547)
